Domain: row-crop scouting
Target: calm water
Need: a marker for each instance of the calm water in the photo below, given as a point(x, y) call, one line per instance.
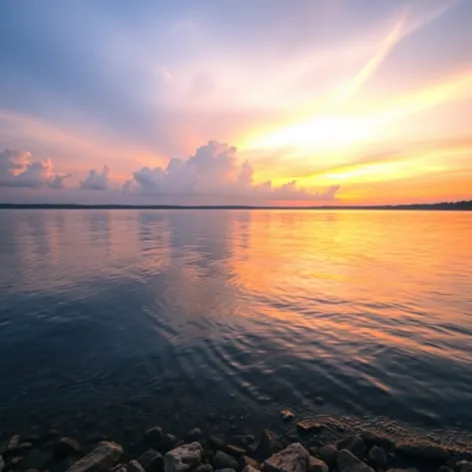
point(123, 319)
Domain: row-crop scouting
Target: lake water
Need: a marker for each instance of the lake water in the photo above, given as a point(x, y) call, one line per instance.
point(113, 321)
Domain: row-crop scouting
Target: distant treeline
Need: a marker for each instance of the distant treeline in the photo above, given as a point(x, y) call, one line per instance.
point(463, 205)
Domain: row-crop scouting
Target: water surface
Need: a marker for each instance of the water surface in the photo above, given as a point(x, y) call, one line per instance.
point(114, 319)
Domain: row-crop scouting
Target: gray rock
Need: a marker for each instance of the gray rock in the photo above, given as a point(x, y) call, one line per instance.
point(374, 439)
point(267, 445)
point(222, 460)
point(203, 468)
point(193, 435)
point(216, 441)
point(25, 446)
point(250, 468)
point(225, 470)
point(249, 461)
point(169, 442)
point(135, 466)
point(328, 453)
point(13, 443)
point(294, 458)
point(101, 459)
point(354, 444)
point(377, 458)
point(308, 425)
point(65, 447)
point(151, 461)
point(444, 468)
point(317, 465)
point(425, 452)
point(235, 450)
point(464, 466)
point(348, 462)
point(153, 436)
point(287, 415)
point(183, 458)
point(16, 461)
point(2, 464)
point(37, 459)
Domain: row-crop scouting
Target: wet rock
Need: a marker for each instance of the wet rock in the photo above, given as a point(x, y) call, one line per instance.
point(287, 415)
point(151, 461)
point(348, 462)
point(377, 458)
point(37, 459)
point(294, 458)
point(203, 468)
point(134, 466)
point(25, 446)
point(193, 435)
point(153, 436)
point(217, 442)
point(65, 447)
point(235, 450)
point(373, 439)
point(464, 466)
point(222, 460)
point(183, 458)
point(424, 452)
point(101, 459)
point(267, 445)
point(317, 465)
point(249, 461)
point(13, 443)
point(328, 453)
point(354, 444)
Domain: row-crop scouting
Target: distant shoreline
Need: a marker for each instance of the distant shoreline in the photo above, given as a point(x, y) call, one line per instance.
point(444, 206)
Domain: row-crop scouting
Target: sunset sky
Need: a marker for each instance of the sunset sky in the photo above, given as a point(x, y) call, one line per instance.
point(252, 102)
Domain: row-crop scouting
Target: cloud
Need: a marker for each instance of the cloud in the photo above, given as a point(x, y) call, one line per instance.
point(17, 169)
point(97, 181)
point(215, 170)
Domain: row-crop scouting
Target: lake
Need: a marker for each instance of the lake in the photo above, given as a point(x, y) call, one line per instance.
point(116, 320)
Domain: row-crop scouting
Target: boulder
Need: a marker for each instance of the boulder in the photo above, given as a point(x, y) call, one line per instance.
point(317, 465)
point(424, 452)
point(294, 458)
point(267, 445)
point(134, 466)
point(101, 459)
point(464, 466)
point(153, 436)
point(222, 460)
point(377, 458)
point(354, 444)
point(183, 458)
point(287, 415)
point(151, 461)
point(328, 453)
point(348, 462)
point(36, 459)
point(65, 447)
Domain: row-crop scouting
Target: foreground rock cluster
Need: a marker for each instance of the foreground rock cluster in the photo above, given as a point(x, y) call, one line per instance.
point(269, 452)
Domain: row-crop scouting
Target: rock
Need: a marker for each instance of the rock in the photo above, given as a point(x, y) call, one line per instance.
point(424, 452)
point(25, 446)
point(151, 461)
point(169, 442)
point(294, 458)
point(235, 450)
point(444, 468)
point(464, 466)
point(403, 470)
point(16, 461)
point(308, 425)
point(287, 415)
point(37, 459)
point(267, 445)
point(193, 435)
point(250, 468)
point(374, 439)
point(313, 450)
point(249, 461)
point(153, 436)
point(217, 442)
point(222, 460)
point(183, 458)
point(65, 447)
point(354, 444)
point(2, 464)
point(317, 465)
point(134, 466)
point(348, 462)
point(377, 458)
point(225, 470)
point(102, 458)
point(13, 443)
point(203, 468)
point(328, 453)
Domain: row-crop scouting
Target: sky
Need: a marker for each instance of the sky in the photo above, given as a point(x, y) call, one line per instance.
point(300, 102)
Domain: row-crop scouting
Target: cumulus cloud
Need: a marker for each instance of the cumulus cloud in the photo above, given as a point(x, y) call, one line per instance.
point(214, 169)
point(17, 169)
point(96, 180)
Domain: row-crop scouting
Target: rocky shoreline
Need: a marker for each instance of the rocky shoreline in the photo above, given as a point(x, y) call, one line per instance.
point(306, 450)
